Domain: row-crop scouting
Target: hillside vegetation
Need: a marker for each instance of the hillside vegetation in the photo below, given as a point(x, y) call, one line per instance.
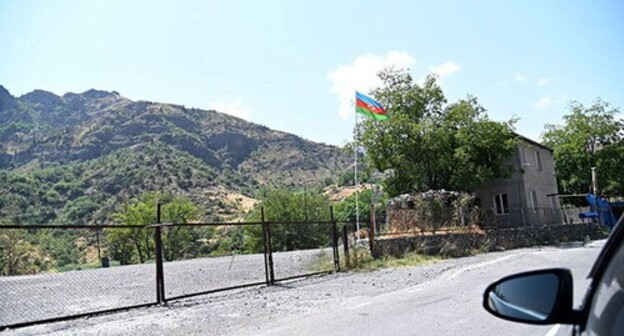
point(73, 159)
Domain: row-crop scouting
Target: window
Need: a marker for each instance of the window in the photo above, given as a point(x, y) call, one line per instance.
point(523, 156)
point(538, 160)
point(534, 200)
point(501, 204)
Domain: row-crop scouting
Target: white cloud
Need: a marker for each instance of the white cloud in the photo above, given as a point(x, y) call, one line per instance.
point(445, 70)
point(520, 77)
point(543, 81)
point(233, 107)
point(549, 101)
point(361, 75)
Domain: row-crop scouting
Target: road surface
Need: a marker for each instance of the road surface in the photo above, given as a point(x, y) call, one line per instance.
point(439, 299)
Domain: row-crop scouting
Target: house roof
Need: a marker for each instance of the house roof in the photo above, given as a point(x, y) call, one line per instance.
point(532, 142)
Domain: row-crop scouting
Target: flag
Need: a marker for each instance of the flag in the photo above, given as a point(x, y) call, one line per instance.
point(369, 107)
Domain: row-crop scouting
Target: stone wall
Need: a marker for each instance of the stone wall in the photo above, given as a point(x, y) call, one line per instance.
point(463, 244)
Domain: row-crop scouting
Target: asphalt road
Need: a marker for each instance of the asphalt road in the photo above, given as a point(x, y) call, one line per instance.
point(447, 305)
point(439, 299)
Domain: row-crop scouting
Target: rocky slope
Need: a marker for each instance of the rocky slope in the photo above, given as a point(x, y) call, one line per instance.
point(73, 158)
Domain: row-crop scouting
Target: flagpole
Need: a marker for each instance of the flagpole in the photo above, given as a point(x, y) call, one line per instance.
point(373, 109)
point(357, 189)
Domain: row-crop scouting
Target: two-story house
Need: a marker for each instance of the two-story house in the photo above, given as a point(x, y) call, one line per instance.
point(528, 197)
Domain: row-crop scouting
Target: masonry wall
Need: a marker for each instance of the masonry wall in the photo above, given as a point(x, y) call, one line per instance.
point(463, 244)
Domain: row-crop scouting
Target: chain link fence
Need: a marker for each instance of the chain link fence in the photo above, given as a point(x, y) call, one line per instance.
point(201, 258)
point(301, 248)
point(52, 273)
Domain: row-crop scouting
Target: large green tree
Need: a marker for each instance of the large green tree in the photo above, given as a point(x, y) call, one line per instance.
point(290, 209)
point(589, 137)
point(428, 143)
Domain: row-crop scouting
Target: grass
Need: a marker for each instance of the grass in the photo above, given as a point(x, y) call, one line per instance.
point(86, 266)
point(361, 260)
point(365, 262)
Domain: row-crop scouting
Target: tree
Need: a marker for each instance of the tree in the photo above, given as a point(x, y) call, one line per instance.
point(430, 144)
point(18, 256)
point(139, 213)
point(590, 137)
point(178, 240)
point(286, 206)
point(126, 244)
point(346, 210)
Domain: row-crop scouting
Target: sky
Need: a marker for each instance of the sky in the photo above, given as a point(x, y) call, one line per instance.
point(294, 65)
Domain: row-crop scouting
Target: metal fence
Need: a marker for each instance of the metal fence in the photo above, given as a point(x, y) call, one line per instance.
point(99, 274)
point(46, 291)
point(301, 249)
point(52, 273)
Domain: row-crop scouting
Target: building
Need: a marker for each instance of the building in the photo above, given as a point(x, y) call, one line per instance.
point(528, 197)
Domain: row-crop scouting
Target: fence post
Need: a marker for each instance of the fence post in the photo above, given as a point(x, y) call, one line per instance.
point(268, 248)
point(371, 231)
point(265, 248)
point(334, 233)
point(345, 244)
point(160, 277)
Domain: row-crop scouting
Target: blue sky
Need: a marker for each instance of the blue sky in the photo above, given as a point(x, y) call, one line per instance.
point(293, 65)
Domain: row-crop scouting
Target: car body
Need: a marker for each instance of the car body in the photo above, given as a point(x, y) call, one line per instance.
point(545, 296)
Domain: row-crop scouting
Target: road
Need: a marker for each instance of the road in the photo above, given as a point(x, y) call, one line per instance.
point(447, 305)
point(439, 299)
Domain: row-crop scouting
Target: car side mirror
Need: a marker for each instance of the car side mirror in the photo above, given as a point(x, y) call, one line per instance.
point(537, 297)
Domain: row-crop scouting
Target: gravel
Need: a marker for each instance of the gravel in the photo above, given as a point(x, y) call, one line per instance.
point(226, 312)
point(51, 295)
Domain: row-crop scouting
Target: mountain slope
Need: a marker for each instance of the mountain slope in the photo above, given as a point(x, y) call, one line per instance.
point(75, 158)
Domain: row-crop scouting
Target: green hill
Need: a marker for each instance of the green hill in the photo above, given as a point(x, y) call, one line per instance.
point(74, 158)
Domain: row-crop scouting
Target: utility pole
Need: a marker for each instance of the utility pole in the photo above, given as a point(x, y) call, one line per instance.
point(594, 181)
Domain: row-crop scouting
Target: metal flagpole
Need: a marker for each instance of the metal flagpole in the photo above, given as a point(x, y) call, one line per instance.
point(357, 191)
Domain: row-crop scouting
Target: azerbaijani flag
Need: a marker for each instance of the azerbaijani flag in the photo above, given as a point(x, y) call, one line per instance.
point(369, 107)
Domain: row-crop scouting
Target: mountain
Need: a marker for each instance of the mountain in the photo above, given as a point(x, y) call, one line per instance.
point(75, 158)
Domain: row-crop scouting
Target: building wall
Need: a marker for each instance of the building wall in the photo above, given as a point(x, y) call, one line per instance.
point(512, 186)
point(528, 176)
point(543, 181)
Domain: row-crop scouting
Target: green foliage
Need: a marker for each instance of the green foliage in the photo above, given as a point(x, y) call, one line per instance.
point(179, 241)
point(19, 256)
point(231, 240)
point(140, 212)
point(348, 177)
point(363, 261)
point(360, 259)
point(346, 210)
point(430, 144)
point(590, 137)
point(63, 246)
point(131, 245)
point(71, 159)
point(284, 206)
point(75, 159)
